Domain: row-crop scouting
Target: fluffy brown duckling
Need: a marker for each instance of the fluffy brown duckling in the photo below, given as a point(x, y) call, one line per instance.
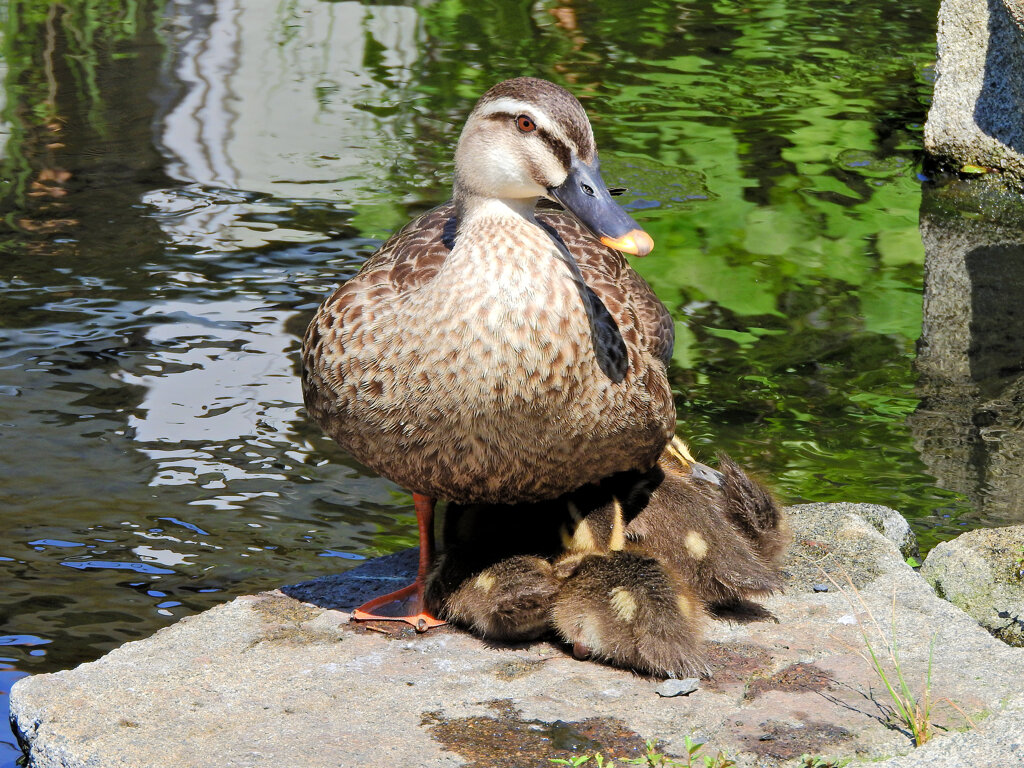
point(623, 570)
point(629, 610)
point(495, 575)
point(719, 529)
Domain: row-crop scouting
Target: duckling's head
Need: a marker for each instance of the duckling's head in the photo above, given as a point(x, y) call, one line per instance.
point(528, 138)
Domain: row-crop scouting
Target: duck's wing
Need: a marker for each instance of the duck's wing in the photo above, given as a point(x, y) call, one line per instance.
point(406, 260)
point(413, 255)
point(626, 295)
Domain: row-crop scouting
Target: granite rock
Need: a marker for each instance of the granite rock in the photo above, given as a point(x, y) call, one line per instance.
point(982, 573)
point(979, 87)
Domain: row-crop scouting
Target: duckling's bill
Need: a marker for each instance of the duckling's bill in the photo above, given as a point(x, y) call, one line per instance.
point(585, 195)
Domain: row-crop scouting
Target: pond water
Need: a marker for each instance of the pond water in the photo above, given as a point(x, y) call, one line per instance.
point(182, 183)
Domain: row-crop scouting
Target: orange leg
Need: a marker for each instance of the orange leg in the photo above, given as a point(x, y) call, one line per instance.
point(407, 603)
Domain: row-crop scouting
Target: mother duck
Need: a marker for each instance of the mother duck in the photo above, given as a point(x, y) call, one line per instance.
point(491, 352)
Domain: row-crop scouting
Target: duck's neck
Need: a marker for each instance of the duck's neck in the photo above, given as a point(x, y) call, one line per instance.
point(469, 206)
point(501, 253)
point(508, 275)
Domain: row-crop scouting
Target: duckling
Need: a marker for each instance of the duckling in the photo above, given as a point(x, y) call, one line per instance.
point(630, 610)
point(619, 605)
point(670, 545)
point(720, 530)
point(550, 572)
point(495, 576)
point(490, 352)
point(506, 601)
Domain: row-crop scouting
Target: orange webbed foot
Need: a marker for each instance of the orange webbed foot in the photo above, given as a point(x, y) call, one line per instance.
point(405, 604)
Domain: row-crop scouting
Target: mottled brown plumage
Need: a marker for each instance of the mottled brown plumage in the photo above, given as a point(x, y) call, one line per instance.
point(488, 352)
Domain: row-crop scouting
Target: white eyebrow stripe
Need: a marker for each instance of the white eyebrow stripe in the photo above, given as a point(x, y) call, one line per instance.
point(511, 106)
point(507, 104)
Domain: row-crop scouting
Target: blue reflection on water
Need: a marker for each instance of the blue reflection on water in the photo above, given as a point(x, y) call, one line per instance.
point(27, 640)
point(345, 555)
point(138, 567)
point(183, 524)
point(55, 543)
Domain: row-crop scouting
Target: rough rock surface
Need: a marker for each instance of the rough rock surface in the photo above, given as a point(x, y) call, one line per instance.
point(282, 678)
point(886, 521)
point(982, 573)
point(979, 87)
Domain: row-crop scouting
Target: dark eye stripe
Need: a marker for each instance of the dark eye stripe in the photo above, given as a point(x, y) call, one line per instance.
point(557, 146)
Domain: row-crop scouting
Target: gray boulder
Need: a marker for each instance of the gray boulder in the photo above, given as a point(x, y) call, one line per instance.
point(975, 117)
point(982, 573)
point(886, 521)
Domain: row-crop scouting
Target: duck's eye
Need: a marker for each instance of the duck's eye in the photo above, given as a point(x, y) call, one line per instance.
point(525, 124)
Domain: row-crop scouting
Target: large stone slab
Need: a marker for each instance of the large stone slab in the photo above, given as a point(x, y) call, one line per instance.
point(282, 678)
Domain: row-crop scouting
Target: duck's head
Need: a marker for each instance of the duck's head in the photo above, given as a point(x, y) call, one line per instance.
point(528, 138)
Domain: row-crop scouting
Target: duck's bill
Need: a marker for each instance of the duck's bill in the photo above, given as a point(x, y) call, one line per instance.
point(635, 241)
point(585, 195)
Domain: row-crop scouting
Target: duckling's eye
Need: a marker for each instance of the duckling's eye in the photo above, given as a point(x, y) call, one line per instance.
point(525, 124)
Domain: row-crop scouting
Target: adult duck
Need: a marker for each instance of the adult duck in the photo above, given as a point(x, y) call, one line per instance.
point(491, 352)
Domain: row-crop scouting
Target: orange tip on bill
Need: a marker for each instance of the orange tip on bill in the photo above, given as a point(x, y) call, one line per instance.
point(637, 242)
